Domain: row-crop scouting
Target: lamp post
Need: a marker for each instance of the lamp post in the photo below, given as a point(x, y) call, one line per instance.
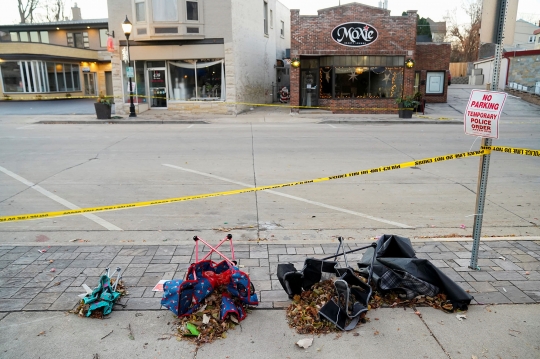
point(126, 26)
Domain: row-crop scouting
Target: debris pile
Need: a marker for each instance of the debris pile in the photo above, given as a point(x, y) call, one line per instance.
point(99, 302)
point(205, 326)
point(303, 313)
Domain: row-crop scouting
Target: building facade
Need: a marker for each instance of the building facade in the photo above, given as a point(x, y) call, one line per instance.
point(212, 56)
point(353, 59)
point(55, 60)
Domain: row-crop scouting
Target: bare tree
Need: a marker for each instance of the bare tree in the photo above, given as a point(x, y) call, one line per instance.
point(54, 10)
point(26, 10)
point(465, 38)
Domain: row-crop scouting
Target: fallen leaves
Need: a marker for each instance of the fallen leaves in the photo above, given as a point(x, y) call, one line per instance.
point(229, 229)
point(41, 333)
point(303, 313)
point(205, 325)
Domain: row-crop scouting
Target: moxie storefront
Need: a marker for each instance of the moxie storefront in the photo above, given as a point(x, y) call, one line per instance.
point(357, 58)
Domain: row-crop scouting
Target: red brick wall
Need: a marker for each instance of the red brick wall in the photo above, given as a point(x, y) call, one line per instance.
point(432, 57)
point(311, 35)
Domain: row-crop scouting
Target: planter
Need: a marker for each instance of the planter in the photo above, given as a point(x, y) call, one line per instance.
point(103, 111)
point(403, 113)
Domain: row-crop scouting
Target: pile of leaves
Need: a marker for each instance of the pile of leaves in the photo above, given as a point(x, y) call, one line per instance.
point(303, 313)
point(82, 309)
point(205, 325)
point(393, 300)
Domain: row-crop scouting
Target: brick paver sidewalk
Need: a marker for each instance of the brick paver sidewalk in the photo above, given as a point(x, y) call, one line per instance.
point(510, 270)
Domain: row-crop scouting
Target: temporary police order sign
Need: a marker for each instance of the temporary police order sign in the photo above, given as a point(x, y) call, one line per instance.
point(483, 113)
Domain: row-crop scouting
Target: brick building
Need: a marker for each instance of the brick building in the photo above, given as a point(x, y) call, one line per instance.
point(353, 59)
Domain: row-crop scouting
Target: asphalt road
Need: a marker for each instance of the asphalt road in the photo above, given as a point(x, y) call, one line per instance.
point(94, 165)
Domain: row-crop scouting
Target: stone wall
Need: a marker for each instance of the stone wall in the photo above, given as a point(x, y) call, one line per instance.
point(525, 70)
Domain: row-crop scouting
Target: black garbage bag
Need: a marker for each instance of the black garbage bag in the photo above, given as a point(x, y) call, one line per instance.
point(395, 258)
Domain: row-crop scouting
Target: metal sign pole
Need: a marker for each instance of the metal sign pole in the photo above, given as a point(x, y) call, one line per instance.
point(484, 160)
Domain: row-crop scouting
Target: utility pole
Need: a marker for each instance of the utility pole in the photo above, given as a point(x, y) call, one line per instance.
point(484, 160)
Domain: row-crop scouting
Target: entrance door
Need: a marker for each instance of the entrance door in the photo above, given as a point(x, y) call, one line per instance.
point(89, 83)
point(157, 87)
point(309, 91)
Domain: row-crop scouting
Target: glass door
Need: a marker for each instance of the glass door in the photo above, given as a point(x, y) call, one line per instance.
point(89, 83)
point(157, 87)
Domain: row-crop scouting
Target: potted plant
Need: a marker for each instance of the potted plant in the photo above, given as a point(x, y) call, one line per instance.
point(103, 107)
point(418, 97)
point(406, 105)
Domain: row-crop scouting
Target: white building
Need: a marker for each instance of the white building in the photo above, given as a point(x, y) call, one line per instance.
point(200, 55)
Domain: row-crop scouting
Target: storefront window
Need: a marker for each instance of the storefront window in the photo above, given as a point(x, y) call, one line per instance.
point(325, 75)
point(39, 76)
point(192, 80)
point(51, 75)
point(209, 81)
point(76, 77)
point(11, 77)
point(69, 77)
point(140, 82)
point(60, 79)
point(357, 76)
point(182, 81)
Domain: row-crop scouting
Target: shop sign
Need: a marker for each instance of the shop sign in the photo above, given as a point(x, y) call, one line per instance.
point(483, 113)
point(354, 34)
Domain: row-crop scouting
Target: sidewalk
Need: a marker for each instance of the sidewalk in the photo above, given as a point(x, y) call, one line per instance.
point(34, 301)
point(505, 331)
point(510, 270)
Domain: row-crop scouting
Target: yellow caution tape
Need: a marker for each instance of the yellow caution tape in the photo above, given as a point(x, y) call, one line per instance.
point(11, 98)
point(516, 151)
point(25, 217)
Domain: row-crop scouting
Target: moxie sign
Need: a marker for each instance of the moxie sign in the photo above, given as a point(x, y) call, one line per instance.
point(354, 34)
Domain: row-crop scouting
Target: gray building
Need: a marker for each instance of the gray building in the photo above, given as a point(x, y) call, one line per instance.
point(200, 55)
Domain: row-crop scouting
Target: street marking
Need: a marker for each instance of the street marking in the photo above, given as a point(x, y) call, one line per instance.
point(190, 126)
point(397, 224)
point(43, 191)
point(331, 125)
point(117, 207)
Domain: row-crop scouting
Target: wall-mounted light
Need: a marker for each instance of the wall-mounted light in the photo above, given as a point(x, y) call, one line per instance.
point(295, 63)
point(359, 71)
point(88, 27)
point(409, 63)
point(57, 28)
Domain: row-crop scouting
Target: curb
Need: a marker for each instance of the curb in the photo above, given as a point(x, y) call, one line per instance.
point(120, 122)
point(370, 122)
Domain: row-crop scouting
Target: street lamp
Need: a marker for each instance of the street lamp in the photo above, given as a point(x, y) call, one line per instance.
point(127, 26)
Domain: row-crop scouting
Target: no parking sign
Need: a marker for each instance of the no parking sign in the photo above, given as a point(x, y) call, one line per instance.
point(483, 113)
